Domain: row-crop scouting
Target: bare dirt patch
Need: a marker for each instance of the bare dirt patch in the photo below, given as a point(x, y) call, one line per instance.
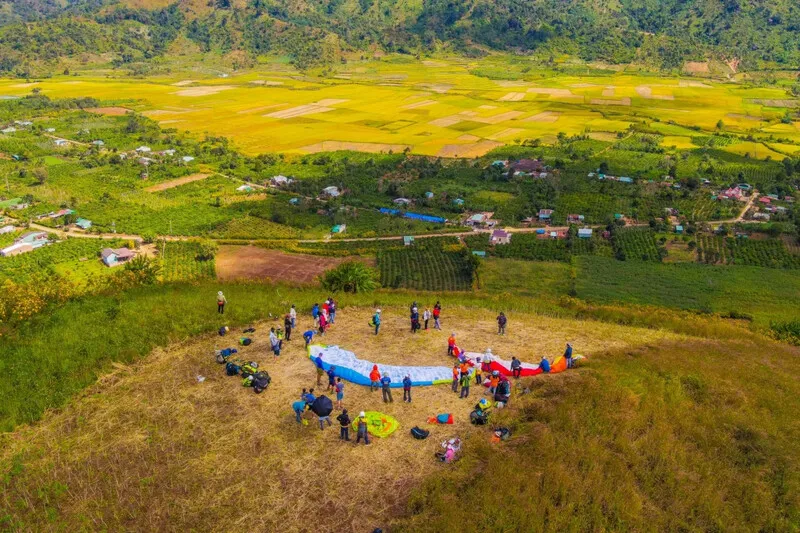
point(602, 136)
point(777, 103)
point(487, 107)
point(372, 148)
point(695, 84)
point(544, 116)
point(468, 137)
point(446, 122)
point(204, 90)
point(111, 111)
point(647, 92)
point(744, 117)
point(267, 83)
point(184, 83)
point(599, 101)
point(415, 105)
point(177, 182)
point(258, 109)
point(512, 97)
point(307, 109)
point(550, 92)
point(609, 91)
point(476, 149)
point(252, 262)
point(696, 67)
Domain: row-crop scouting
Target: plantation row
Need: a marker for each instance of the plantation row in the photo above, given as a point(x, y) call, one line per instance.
point(428, 267)
point(636, 244)
point(712, 250)
point(180, 262)
point(770, 253)
point(532, 248)
point(42, 260)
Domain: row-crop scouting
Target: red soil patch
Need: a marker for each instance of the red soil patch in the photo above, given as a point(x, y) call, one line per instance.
point(252, 262)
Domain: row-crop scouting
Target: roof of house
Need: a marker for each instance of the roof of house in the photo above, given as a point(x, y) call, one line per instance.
point(585, 231)
point(528, 165)
point(545, 212)
point(477, 217)
point(122, 253)
point(32, 233)
point(499, 234)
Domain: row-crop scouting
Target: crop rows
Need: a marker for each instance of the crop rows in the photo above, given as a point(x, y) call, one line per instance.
point(41, 260)
point(249, 227)
point(636, 244)
point(771, 253)
point(712, 250)
point(179, 262)
point(426, 268)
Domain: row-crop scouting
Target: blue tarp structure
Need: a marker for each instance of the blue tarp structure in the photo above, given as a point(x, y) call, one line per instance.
point(413, 216)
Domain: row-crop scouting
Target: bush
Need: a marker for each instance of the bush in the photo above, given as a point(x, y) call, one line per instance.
point(350, 276)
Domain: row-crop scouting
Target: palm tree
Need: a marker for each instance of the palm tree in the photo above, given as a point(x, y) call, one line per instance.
point(350, 276)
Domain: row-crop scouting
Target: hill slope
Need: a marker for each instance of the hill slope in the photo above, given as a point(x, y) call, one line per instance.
point(662, 34)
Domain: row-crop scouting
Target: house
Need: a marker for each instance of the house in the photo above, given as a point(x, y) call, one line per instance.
point(479, 253)
point(732, 193)
point(244, 188)
point(679, 229)
point(280, 181)
point(408, 240)
point(478, 219)
point(294, 201)
point(60, 213)
point(83, 223)
point(585, 233)
point(143, 149)
point(61, 142)
point(169, 152)
point(339, 228)
point(429, 195)
point(500, 237)
point(10, 129)
point(545, 214)
point(500, 163)
point(23, 123)
point(761, 216)
point(574, 219)
point(50, 130)
point(145, 161)
point(116, 256)
point(7, 229)
point(25, 243)
point(458, 202)
point(789, 199)
point(528, 166)
point(765, 200)
point(625, 179)
point(401, 201)
point(98, 142)
point(16, 249)
point(331, 192)
point(187, 159)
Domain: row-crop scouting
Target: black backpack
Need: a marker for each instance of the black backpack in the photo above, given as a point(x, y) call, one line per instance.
point(260, 382)
point(478, 418)
point(232, 369)
point(419, 433)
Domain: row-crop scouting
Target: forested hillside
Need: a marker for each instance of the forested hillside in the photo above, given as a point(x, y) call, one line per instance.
point(659, 33)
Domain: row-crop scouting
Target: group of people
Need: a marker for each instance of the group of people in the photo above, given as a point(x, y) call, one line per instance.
point(304, 404)
point(384, 382)
point(324, 316)
point(427, 315)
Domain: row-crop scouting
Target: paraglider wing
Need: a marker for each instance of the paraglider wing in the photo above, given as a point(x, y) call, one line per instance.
point(322, 406)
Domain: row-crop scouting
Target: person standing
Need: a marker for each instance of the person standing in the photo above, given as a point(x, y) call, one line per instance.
point(437, 310)
point(478, 372)
point(516, 367)
point(293, 316)
point(501, 323)
point(339, 393)
point(361, 424)
point(407, 389)
point(451, 343)
point(465, 381)
point(494, 380)
point(221, 301)
point(456, 375)
point(568, 355)
point(426, 317)
point(287, 326)
point(331, 378)
point(315, 314)
point(344, 422)
point(274, 342)
point(320, 369)
point(322, 420)
point(374, 378)
point(332, 310)
point(386, 383)
point(376, 320)
point(414, 318)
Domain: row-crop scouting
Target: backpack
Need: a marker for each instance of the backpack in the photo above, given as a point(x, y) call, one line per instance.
point(478, 418)
point(419, 433)
point(244, 341)
point(232, 369)
point(260, 382)
point(248, 380)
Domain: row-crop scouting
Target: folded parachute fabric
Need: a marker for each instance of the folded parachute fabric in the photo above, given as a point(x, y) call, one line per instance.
point(559, 365)
point(378, 424)
point(501, 365)
point(351, 368)
point(444, 418)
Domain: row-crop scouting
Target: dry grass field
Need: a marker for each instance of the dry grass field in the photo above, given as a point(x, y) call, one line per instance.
point(149, 448)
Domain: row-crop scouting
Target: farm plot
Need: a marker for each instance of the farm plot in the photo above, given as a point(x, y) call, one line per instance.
point(427, 266)
point(253, 262)
point(180, 262)
point(712, 250)
point(770, 253)
point(22, 267)
point(637, 244)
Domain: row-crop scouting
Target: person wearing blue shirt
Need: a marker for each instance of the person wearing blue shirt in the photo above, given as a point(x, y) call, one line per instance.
point(407, 389)
point(308, 335)
point(320, 369)
point(544, 364)
point(299, 407)
point(309, 397)
point(386, 382)
point(568, 355)
point(315, 311)
point(376, 320)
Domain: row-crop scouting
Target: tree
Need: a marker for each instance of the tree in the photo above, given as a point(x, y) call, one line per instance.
point(207, 250)
point(350, 276)
point(40, 174)
point(720, 125)
point(144, 269)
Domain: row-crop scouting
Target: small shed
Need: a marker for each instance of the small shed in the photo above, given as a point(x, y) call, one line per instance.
point(187, 159)
point(339, 228)
point(585, 233)
point(98, 142)
point(244, 188)
point(294, 201)
point(479, 253)
point(83, 223)
point(429, 195)
point(625, 179)
point(408, 240)
point(331, 192)
point(679, 229)
point(401, 201)
point(61, 142)
point(545, 214)
point(143, 149)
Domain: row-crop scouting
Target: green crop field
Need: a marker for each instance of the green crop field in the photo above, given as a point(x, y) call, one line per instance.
point(430, 266)
point(636, 244)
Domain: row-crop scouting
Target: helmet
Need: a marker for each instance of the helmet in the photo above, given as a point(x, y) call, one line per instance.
point(362, 414)
point(495, 373)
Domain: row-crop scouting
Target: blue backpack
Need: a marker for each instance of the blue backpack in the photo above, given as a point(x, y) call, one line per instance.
point(232, 369)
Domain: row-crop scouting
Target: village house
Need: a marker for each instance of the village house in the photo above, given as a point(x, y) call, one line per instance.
point(585, 233)
point(732, 193)
point(500, 237)
point(244, 188)
point(50, 130)
point(25, 243)
point(61, 142)
point(625, 179)
point(545, 215)
point(401, 201)
point(8, 130)
point(458, 201)
point(574, 219)
point(83, 223)
point(527, 166)
point(500, 163)
point(187, 159)
point(116, 256)
point(143, 149)
point(408, 240)
point(98, 142)
point(339, 228)
point(477, 220)
point(280, 181)
point(761, 216)
point(429, 195)
point(330, 192)
point(7, 229)
point(23, 123)
point(765, 200)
